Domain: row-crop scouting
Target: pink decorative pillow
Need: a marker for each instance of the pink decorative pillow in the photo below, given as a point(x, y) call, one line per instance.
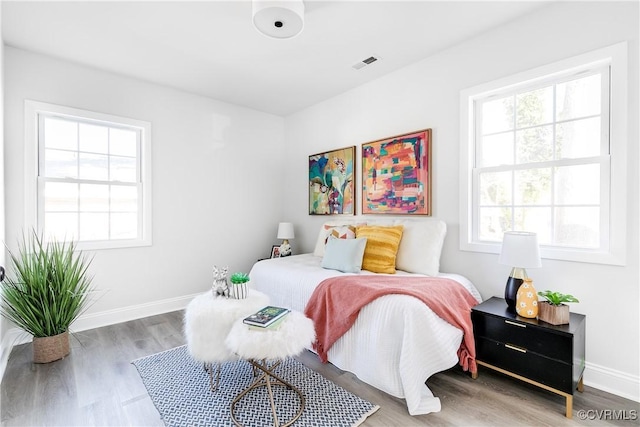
point(337, 231)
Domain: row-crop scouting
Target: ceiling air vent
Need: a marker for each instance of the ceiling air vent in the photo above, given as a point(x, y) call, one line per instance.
point(370, 60)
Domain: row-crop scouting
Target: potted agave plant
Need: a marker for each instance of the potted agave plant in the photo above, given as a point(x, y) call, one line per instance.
point(48, 289)
point(239, 284)
point(553, 310)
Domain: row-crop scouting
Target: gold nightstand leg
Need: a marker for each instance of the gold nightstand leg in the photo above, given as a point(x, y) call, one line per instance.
point(569, 397)
point(581, 385)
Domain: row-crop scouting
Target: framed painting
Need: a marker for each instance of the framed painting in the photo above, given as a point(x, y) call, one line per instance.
point(331, 182)
point(396, 175)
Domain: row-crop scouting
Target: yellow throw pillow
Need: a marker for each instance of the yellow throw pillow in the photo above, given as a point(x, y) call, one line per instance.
point(382, 247)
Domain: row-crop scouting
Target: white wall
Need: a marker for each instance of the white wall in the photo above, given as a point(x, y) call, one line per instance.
point(4, 344)
point(216, 186)
point(426, 95)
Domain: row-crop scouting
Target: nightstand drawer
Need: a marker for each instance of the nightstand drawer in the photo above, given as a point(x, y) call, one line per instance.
point(521, 361)
point(526, 335)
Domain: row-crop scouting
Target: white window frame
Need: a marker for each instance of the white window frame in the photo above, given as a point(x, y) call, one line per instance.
point(614, 251)
point(33, 112)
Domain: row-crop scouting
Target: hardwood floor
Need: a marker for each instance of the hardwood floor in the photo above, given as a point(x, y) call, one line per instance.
point(98, 385)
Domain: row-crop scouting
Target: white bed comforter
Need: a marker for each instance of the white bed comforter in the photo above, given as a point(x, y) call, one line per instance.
point(396, 343)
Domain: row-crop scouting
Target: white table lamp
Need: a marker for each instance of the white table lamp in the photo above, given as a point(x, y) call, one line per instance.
point(285, 232)
point(520, 250)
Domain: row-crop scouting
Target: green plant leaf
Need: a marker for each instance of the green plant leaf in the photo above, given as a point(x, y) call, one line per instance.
point(49, 286)
point(557, 298)
point(239, 278)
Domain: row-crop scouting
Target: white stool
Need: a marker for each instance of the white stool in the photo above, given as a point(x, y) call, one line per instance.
point(265, 350)
point(207, 322)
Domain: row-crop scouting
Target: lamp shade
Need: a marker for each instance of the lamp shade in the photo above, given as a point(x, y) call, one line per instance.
point(520, 249)
point(280, 19)
point(285, 231)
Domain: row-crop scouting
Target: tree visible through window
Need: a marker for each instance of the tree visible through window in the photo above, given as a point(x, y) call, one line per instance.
point(544, 151)
point(540, 153)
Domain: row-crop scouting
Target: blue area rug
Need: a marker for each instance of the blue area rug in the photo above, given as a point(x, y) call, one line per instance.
point(179, 387)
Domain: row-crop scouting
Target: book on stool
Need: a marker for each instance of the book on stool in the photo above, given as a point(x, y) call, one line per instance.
point(267, 317)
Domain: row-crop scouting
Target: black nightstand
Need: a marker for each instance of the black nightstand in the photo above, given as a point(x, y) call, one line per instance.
point(548, 356)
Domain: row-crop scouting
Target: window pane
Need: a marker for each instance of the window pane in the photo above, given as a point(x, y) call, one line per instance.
point(577, 185)
point(60, 197)
point(535, 107)
point(89, 176)
point(123, 169)
point(533, 187)
point(577, 226)
point(535, 219)
point(60, 164)
point(579, 98)
point(61, 226)
point(534, 144)
point(493, 222)
point(94, 226)
point(94, 139)
point(497, 116)
point(94, 166)
point(124, 226)
point(124, 199)
point(580, 138)
point(495, 188)
point(61, 134)
point(94, 198)
point(123, 142)
point(497, 150)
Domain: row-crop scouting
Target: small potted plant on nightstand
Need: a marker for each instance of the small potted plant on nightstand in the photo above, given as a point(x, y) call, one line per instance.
point(553, 310)
point(239, 283)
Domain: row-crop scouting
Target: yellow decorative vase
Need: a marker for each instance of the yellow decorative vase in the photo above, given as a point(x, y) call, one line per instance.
point(527, 300)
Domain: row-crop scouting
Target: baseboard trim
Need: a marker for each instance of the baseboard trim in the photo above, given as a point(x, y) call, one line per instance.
point(125, 314)
point(612, 381)
point(15, 336)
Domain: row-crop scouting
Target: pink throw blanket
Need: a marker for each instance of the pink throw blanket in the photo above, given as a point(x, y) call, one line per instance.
point(336, 302)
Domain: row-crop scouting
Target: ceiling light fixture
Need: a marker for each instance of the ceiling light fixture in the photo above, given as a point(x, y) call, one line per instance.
point(281, 19)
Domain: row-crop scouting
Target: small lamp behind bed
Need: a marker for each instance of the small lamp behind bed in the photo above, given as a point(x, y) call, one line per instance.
point(285, 232)
point(519, 250)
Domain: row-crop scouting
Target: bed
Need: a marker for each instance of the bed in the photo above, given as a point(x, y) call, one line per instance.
point(397, 342)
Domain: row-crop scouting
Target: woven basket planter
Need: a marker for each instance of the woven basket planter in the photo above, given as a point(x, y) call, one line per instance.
point(50, 349)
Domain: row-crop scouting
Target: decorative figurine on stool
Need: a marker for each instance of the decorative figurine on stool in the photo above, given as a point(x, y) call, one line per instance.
point(220, 285)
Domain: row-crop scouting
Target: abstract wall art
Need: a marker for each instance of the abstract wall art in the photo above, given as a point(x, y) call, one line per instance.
point(331, 182)
point(396, 175)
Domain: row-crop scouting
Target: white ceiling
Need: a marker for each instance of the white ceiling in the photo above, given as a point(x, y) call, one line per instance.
point(211, 48)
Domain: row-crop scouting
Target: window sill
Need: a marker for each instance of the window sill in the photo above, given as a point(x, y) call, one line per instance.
point(560, 254)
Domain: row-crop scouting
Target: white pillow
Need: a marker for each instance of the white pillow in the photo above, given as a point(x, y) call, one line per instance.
point(421, 245)
point(344, 254)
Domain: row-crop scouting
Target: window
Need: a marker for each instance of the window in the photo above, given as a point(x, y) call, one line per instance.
point(541, 155)
point(90, 174)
